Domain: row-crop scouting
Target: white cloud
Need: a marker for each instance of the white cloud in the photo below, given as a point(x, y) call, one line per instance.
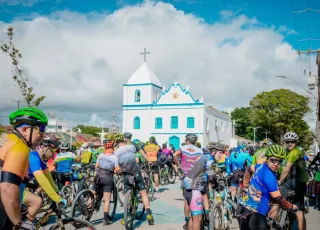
point(26, 3)
point(80, 62)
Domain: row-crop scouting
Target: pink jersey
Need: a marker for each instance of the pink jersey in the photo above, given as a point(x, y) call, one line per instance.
point(189, 155)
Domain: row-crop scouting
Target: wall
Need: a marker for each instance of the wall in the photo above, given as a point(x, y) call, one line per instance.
point(147, 94)
point(57, 126)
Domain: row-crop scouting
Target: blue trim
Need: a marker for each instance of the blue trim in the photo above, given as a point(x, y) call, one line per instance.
point(174, 125)
point(190, 122)
point(177, 133)
point(183, 90)
point(158, 126)
point(143, 84)
point(136, 122)
point(151, 105)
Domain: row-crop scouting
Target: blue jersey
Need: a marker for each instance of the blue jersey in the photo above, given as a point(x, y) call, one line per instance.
point(35, 163)
point(262, 183)
point(237, 161)
point(64, 161)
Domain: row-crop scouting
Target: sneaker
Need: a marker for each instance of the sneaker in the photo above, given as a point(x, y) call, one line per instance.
point(107, 222)
point(150, 219)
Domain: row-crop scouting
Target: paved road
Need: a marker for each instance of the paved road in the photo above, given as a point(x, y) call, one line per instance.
point(168, 213)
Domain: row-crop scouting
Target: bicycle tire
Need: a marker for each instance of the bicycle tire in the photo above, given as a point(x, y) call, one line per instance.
point(86, 213)
point(163, 176)
point(150, 189)
point(114, 200)
point(128, 217)
point(121, 193)
point(213, 219)
point(172, 174)
point(75, 221)
point(68, 193)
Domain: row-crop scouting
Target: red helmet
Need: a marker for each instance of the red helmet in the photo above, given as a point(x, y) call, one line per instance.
point(108, 144)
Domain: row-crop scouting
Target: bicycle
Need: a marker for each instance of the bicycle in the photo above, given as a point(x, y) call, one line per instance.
point(131, 202)
point(87, 202)
point(167, 174)
point(61, 223)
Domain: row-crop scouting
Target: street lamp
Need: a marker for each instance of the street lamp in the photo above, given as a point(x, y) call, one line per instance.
point(102, 131)
point(254, 134)
point(298, 85)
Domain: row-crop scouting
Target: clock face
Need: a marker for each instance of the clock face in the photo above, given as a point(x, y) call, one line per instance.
point(175, 95)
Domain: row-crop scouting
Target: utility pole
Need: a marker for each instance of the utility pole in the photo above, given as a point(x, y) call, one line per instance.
point(102, 131)
point(18, 101)
point(254, 135)
point(114, 122)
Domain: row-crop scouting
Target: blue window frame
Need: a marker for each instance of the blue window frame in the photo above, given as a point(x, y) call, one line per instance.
point(174, 122)
point(136, 123)
point(190, 122)
point(137, 96)
point(158, 123)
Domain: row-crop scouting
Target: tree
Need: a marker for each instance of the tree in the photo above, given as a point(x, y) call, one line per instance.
point(93, 130)
point(18, 76)
point(279, 111)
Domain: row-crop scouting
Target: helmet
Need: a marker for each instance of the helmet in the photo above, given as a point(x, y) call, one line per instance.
point(90, 144)
point(192, 138)
point(65, 145)
point(31, 116)
point(215, 146)
point(127, 135)
point(267, 141)
point(277, 151)
point(108, 143)
point(198, 145)
point(152, 139)
point(50, 142)
point(291, 136)
point(84, 145)
point(118, 137)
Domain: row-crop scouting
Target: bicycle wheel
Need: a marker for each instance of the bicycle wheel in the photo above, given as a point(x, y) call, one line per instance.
point(150, 188)
point(172, 174)
point(68, 193)
point(215, 218)
point(80, 205)
point(113, 202)
point(306, 205)
point(121, 193)
point(71, 222)
point(128, 210)
point(163, 176)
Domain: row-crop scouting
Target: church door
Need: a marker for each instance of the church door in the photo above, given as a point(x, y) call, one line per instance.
point(175, 141)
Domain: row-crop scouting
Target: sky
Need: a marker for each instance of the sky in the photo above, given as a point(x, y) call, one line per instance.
point(78, 53)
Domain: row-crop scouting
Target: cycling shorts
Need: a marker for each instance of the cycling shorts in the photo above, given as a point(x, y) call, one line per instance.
point(300, 189)
point(105, 183)
point(236, 178)
point(195, 201)
point(155, 167)
point(129, 180)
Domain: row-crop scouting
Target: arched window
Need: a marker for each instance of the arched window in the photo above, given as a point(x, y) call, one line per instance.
point(137, 96)
point(136, 123)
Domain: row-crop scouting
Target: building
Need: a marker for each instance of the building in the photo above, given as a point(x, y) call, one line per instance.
point(149, 109)
point(55, 126)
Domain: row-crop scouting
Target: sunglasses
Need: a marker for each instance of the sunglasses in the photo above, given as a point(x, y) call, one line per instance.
point(274, 161)
point(290, 142)
point(42, 129)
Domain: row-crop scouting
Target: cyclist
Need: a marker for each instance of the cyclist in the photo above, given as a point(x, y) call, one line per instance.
point(152, 150)
point(86, 154)
point(165, 156)
point(29, 126)
point(294, 176)
point(194, 165)
point(127, 162)
point(63, 163)
point(238, 159)
point(107, 164)
point(259, 157)
point(127, 139)
point(39, 171)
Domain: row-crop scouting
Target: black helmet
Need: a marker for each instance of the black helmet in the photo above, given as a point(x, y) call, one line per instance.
point(215, 146)
point(127, 135)
point(192, 138)
point(50, 142)
point(65, 145)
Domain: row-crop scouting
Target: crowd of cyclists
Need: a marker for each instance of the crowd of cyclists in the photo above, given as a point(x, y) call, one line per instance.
point(262, 182)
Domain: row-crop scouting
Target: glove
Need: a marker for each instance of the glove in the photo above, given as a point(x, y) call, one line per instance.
point(64, 203)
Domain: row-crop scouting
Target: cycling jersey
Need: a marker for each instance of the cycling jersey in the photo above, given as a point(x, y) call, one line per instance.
point(127, 158)
point(64, 161)
point(108, 162)
point(222, 161)
point(86, 156)
point(259, 157)
point(237, 161)
point(14, 162)
point(35, 163)
point(95, 156)
point(298, 170)
point(263, 181)
point(141, 158)
point(189, 155)
point(152, 151)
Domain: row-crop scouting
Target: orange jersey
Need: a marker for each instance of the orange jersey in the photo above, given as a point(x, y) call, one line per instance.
point(152, 151)
point(14, 162)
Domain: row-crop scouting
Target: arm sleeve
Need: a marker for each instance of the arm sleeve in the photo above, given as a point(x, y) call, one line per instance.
point(247, 176)
point(50, 179)
point(254, 160)
point(45, 184)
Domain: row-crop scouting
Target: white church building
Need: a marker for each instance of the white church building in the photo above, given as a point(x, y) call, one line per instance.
point(149, 109)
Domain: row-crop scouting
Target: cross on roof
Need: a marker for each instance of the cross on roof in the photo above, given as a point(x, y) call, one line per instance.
point(145, 54)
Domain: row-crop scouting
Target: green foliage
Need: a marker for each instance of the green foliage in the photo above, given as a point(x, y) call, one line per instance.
point(2, 130)
point(18, 76)
point(91, 130)
point(279, 111)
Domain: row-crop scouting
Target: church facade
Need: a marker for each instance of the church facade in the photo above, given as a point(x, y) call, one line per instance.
point(149, 109)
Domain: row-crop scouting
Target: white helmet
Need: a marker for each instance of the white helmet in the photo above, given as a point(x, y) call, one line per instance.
point(291, 136)
point(84, 146)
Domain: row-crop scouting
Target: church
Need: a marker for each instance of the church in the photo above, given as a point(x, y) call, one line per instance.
point(149, 109)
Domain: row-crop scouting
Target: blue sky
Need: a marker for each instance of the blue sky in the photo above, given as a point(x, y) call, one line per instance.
point(271, 12)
